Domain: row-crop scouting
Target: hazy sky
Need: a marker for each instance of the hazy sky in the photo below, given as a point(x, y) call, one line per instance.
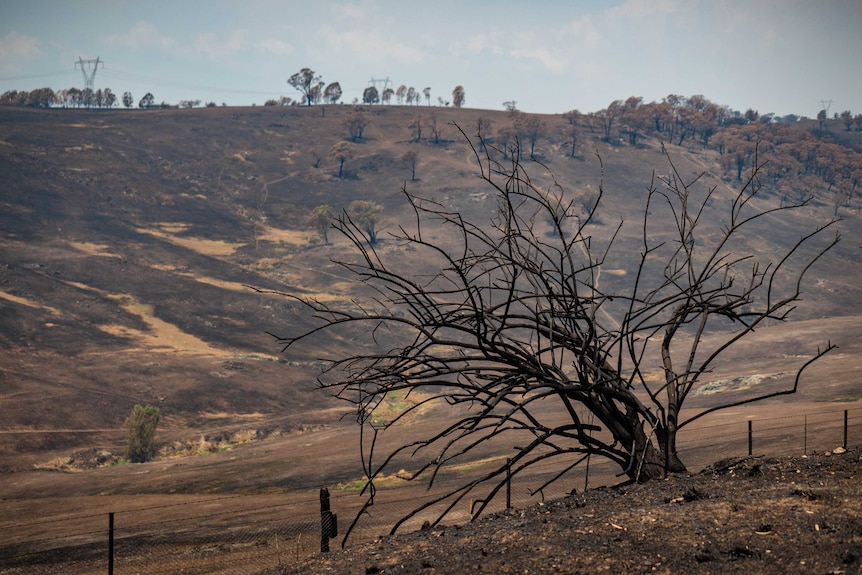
point(549, 56)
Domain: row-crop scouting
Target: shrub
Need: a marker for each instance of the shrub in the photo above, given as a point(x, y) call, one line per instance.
point(141, 433)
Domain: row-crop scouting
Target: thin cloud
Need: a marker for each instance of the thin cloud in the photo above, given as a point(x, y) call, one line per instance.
point(638, 9)
point(16, 48)
point(213, 47)
point(477, 46)
point(368, 46)
point(546, 58)
point(143, 35)
point(275, 47)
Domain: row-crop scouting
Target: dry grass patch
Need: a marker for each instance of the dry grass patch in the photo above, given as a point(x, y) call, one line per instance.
point(244, 156)
point(93, 249)
point(225, 415)
point(207, 444)
point(163, 336)
point(736, 383)
point(223, 284)
point(169, 231)
point(63, 464)
point(397, 402)
point(228, 285)
point(293, 237)
point(28, 302)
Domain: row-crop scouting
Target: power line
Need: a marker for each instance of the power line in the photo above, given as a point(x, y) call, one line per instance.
point(138, 78)
point(132, 77)
point(30, 76)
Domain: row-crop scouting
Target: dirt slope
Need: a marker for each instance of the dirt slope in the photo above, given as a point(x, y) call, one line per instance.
point(747, 515)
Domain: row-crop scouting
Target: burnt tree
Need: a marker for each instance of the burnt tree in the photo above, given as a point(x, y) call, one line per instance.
point(518, 315)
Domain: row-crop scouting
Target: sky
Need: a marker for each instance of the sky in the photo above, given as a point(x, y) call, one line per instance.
point(548, 56)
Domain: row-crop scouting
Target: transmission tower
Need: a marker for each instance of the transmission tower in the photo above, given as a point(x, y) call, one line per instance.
point(88, 69)
point(384, 82)
point(825, 105)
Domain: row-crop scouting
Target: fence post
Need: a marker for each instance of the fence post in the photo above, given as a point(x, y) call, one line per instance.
point(111, 543)
point(509, 483)
point(805, 435)
point(750, 439)
point(844, 445)
point(328, 522)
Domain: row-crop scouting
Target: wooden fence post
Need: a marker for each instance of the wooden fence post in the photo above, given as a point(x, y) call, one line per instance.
point(508, 483)
point(750, 439)
point(845, 430)
point(328, 522)
point(111, 543)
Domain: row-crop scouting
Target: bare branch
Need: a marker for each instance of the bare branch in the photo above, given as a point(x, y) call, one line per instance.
point(515, 326)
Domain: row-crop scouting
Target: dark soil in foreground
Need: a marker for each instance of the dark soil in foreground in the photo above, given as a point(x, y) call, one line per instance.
point(753, 515)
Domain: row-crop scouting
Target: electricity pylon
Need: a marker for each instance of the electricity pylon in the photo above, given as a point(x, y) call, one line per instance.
point(384, 82)
point(88, 69)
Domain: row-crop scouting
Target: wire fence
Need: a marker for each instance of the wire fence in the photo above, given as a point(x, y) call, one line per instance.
point(260, 534)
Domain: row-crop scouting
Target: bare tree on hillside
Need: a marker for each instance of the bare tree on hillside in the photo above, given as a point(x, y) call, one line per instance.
point(434, 126)
point(415, 126)
point(571, 132)
point(483, 131)
point(517, 317)
point(305, 82)
point(531, 130)
point(410, 159)
point(607, 117)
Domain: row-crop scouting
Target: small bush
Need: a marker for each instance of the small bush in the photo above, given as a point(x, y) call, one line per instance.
point(141, 433)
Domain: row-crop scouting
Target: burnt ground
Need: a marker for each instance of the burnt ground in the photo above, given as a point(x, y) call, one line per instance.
point(742, 515)
point(125, 280)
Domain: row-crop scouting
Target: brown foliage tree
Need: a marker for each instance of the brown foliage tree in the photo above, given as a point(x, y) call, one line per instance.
point(356, 124)
point(341, 153)
point(320, 218)
point(458, 96)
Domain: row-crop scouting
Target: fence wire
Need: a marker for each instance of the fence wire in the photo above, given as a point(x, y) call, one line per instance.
point(214, 535)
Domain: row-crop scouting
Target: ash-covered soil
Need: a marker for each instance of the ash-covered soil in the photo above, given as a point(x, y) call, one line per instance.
point(754, 515)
